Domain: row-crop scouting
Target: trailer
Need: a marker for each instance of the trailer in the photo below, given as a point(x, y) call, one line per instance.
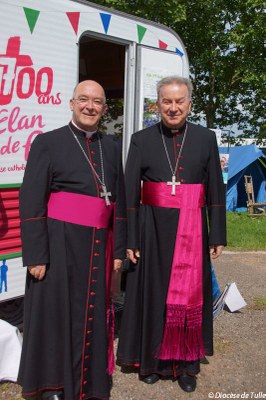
point(46, 47)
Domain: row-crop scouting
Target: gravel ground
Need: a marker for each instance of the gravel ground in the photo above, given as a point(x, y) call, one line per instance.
point(238, 368)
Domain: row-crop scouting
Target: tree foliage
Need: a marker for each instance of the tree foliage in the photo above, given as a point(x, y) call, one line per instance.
point(225, 45)
point(167, 12)
point(226, 60)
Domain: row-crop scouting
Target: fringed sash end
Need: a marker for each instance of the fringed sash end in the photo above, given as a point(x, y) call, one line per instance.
point(182, 339)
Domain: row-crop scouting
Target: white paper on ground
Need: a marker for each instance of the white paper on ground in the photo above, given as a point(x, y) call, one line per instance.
point(10, 351)
point(233, 298)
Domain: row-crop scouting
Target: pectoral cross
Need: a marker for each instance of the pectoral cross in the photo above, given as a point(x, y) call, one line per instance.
point(106, 194)
point(173, 183)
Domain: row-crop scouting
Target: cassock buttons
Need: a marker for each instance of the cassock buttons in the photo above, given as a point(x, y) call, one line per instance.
point(97, 241)
point(94, 164)
point(92, 152)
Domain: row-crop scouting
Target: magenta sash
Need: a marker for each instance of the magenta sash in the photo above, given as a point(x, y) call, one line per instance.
point(90, 211)
point(80, 209)
point(182, 338)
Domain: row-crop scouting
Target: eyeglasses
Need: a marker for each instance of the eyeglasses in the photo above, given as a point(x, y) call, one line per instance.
point(84, 100)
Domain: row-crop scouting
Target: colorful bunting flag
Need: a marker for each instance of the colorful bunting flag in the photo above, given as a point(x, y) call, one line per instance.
point(105, 21)
point(162, 45)
point(141, 32)
point(31, 16)
point(74, 20)
point(179, 52)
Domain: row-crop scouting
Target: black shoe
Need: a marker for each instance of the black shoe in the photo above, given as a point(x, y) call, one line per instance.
point(150, 379)
point(204, 361)
point(187, 383)
point(53, 395)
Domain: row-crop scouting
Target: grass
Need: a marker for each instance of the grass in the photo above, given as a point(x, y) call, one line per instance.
point(221, 344)
point(4, 386)
point(259, 303)
point(245, 233)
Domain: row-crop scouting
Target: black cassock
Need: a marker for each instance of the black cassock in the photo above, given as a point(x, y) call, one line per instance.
point(153, 230)
point(65, 330)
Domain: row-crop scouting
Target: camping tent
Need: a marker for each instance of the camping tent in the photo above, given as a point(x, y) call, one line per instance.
point(244, 160)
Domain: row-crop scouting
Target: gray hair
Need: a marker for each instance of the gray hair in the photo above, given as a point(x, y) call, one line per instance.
point(174, 79)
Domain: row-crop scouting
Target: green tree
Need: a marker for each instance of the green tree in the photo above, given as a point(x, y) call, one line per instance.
point(226, 62)
point(166, 12)
point(225, 45)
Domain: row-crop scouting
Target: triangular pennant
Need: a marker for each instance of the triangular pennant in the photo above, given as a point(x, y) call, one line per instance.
point(141, 32)
point(179, 52)
point(74, 20)
point(106, 21)
point(32, 16)
point(162, 45)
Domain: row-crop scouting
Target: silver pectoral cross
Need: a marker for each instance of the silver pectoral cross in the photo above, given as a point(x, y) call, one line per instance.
point(173, 183)
point(106, 195)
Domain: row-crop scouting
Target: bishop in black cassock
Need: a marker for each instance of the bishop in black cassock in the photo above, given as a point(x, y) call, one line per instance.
point(68, 321)
point(154, 153)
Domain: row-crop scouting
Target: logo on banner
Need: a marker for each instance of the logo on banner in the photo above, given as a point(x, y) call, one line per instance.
point(19, 77)
point(21, 81)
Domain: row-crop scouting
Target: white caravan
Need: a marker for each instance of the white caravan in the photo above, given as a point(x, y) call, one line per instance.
point(46, 47)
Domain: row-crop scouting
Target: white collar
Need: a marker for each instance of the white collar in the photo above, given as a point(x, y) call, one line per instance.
point(87, 133)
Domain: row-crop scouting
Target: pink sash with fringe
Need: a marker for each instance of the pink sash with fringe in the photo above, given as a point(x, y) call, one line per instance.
point(182, 338)
point(90, 211)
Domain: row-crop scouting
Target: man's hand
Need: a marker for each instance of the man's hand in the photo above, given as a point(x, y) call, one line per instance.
point(133, 255)
point(38, 271)
point(117, 264)
point(216, 250)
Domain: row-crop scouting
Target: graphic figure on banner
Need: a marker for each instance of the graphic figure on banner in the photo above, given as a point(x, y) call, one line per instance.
point(224, 160)
point(3, 276)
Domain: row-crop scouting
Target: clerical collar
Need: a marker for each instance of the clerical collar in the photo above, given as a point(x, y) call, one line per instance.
point(170, 132)
point(88, 134)
point(178, 130)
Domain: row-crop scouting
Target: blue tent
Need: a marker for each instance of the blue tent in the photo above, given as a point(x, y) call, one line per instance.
point(244, 160)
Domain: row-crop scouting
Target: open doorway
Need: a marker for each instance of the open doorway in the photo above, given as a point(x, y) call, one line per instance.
point(104, 62)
